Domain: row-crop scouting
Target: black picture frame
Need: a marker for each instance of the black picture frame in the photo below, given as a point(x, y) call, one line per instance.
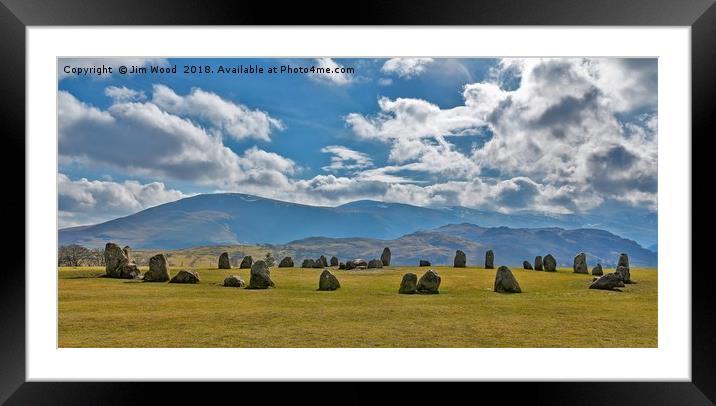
point(16, 15)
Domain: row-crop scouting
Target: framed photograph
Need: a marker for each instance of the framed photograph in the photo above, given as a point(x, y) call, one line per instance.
point(482, 193)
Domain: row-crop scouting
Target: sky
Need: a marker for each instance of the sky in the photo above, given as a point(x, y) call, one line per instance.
point(559, 136)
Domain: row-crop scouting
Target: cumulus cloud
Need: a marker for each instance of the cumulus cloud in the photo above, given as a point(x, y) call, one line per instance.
point(113, 63)
point(332, 73)
point(345, 159)
point(555, 136)
point(236, 120)
point(84, 201)
point(142, 139)
point(406, 67)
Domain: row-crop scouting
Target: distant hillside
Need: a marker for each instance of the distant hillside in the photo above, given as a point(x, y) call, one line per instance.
point(511, 246)
point(233, 218)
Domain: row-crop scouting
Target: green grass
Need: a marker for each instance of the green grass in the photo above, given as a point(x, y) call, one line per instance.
point(554, 310)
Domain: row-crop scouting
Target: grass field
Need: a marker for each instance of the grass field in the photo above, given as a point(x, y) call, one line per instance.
point(554, 310)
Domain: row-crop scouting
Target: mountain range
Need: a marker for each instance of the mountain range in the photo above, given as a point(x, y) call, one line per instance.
point(233, 218)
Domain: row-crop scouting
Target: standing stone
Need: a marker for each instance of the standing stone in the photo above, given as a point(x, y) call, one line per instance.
point(334, 261)
point(286, 262)
point(505, 281)
point(118, 264)
point(319, 263)
point(185, 276)
point(128, 253)
point(550, 264)
point(429, 283)
point(597, 270)
point(260, 276)
point(323, 261)
point(489, 260)
point(234, 281)
point(424, 263)
point(580, 263)
point(623, 260)
point(538, 263)
point(341, 265)
point(526, 265)
point(224, 261)
point(385, 256)
point(158, 271)
point(607, 282)
point(308, 263)
point(247, 262)
point(624, 273)
point(375, 263)
point(409, 284)
point(355, 263)
point(460, 259)
point(328, 281)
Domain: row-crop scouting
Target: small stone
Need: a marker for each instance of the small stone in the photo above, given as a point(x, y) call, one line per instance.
point(429, 283)
point(409, 284)
point(185, 276)
point(607, 282)
point(580, 263)
point(246, 262)
point(489, 260)
point(550, 264)
point(260, 276)
point(505, 281)
point(334, 261)
point(424, 263)
point(234, 281)
point(286, 262)
point(158, 270)
point(538, 263)
point(597, 270)
point(460, 259)
point(328, 281)
point(224, 261)
point(527, 265)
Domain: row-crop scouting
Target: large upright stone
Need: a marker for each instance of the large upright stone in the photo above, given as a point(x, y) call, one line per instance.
point(118, 263)
point(247, 262)
point(260, 276)
point(538, 263)
point(527, 265)
point(286, 262)
point(580, 263)
point(324, 262)
point(158, 270)
point(375, 263)
point(505, 281)
point(549, 263)
point(597, 270)
point(424, 262)
point(328, 281)
point(185, 276)
point(224, 261)
point(460, 259)
point(334, 261)
point(607, 282)
point(429, 283)
point(489, 259)
point(385, 256)
point(623, 273)
point(409, 284)
point(623, 260)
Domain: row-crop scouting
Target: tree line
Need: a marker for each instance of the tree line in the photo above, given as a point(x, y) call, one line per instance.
point(77, 255)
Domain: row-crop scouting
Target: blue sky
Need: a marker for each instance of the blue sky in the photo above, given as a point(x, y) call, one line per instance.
point(547, 135)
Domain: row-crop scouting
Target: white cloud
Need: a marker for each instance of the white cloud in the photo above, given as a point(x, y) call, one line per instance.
point(124, 94)
point(332, 75)
point(385, 81)
point(236, 120)
point(558, 124)
point(84, 201)
point(345, 159)
point(113, 63)
point(406, 67)
point(142, 139)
